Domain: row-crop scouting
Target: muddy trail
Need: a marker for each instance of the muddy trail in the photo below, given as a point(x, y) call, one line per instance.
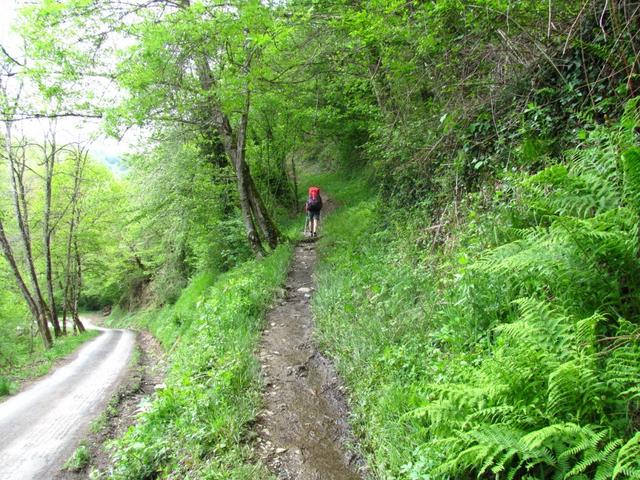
point(303, 430)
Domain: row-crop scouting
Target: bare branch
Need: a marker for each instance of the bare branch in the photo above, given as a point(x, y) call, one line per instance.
point(10, 57)
point(32, 116)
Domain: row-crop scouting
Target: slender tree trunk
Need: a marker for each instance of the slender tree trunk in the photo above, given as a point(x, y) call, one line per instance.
point(268, 228)
point(22, 216)
point(77, 288)
point(68, 275)
point(243, 180)
point(244, 176)
point(71, 291)
point(49, 159)
point(245, 206)
point(65, 304)
point(43, 326)
point(38, 306)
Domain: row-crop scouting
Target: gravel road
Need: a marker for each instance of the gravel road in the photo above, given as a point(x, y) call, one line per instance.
point(41, 426)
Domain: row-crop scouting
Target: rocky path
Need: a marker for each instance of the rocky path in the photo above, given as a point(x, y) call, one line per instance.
point(40, 426)
point(303, 429)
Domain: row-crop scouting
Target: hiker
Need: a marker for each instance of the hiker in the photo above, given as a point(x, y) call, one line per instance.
point(313, 207)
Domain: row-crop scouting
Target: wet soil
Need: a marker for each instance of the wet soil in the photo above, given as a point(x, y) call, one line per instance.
point(303, 429)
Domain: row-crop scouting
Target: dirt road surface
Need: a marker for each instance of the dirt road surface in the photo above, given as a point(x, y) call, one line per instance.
point(41, 426)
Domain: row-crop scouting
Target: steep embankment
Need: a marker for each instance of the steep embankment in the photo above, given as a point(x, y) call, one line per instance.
point(503, 340)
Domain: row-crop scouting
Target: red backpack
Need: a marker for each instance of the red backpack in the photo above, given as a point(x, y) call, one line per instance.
point(314, 202)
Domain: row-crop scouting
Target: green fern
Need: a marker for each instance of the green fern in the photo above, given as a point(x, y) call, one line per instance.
point(573, 383)
point(628, 461)
point(549, 389)
point(631, 163)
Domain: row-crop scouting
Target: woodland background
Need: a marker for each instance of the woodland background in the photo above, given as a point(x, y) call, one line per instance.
point(479, 283)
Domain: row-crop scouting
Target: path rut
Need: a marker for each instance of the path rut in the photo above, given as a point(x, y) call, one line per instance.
point(303, 429)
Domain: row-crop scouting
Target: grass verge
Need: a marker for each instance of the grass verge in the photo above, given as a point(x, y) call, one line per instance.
point(196, 427)
point(79, 459)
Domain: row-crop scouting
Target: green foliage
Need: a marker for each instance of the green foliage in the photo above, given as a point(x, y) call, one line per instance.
point(183, 220)
point(6, 386)
point(80, 459)
point(510, 358)
point(482, 305)
point(193, 428)
point(170, 322)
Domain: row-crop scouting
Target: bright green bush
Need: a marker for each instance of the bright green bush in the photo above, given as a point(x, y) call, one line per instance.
point(6, 387)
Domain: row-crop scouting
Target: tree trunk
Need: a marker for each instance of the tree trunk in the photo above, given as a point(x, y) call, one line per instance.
point(251, 205)
point(49, 160)
point(65, 304)
point(71, 288)
point(22, 216)
point(68, 276)
point(268, 228)
point(245, 205)
point(43, 326)
point(37, 305)
point(77, 288)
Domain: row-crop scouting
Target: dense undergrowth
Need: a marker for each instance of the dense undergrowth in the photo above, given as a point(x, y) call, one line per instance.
point(506, 343)
point(195, 427)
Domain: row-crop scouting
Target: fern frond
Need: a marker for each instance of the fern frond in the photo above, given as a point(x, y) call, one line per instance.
point(631, 165)
point(520, 330)
point(537, 438)
point(623, 370)
point(564, 384)
point(589, 440)
point(493, 447)
point(593, 456)
point(585, 331)
point(628, 461)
